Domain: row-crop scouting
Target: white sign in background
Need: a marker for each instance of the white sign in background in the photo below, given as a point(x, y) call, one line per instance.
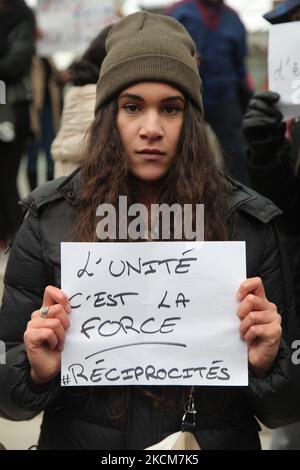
point(71, 25)
point(284, 66)
point(153, 313)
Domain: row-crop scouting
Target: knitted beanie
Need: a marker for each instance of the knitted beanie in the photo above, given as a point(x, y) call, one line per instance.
point(149, 47)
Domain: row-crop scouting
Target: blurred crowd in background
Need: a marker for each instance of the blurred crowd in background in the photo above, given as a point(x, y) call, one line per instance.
point(37, 93)
point(49, 109)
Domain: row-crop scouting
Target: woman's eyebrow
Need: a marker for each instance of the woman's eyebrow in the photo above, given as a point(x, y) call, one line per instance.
point(172, 98)
point(137, 97)
point(131, 96)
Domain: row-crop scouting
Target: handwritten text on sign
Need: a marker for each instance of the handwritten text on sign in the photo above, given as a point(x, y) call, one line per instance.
point(70, 25)
point(284, 66)
point(153, 313)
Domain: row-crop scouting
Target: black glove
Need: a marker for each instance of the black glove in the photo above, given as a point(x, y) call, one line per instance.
point(263, 127)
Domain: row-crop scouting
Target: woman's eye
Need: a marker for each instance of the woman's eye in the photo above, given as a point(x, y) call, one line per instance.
point(171, 110)
point(131, 108)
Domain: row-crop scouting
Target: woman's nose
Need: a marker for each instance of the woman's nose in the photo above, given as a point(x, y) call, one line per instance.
point(151, 127)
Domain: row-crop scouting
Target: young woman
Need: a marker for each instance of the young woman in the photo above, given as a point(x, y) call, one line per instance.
point(147, 142)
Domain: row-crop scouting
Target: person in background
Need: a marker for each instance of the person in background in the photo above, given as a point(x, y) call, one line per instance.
point(45, 113)
point(274, 167)
point(79, 107)
point(148, 142)
point(220, 38)
point(284, 12)
point(17, 32)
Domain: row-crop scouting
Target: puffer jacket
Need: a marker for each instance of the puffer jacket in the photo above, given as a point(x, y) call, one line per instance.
point(67, 149)
point(76, 418)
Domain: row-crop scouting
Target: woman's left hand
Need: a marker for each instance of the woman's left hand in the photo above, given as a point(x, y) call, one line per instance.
point(260, 325)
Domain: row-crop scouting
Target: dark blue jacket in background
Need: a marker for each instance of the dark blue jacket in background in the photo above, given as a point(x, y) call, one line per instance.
point(220, 38)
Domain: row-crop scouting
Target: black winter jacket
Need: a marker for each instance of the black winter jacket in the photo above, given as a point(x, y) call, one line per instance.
point(17, 47)
point(77, 418)
point(278, 181)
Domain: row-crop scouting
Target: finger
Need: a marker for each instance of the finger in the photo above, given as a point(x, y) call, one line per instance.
point(257, 318)
point(57, 327)
point(268, 96)
point(252, 285)
point(50, 323)
point(35, 338)
point(266, 108)
point(58, 311)
point(53, 295)
point(55, 311)
point(271, 333)
point(257, 120)
point(252, 302)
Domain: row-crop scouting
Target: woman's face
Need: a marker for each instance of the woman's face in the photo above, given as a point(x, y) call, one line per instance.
point(149, 120)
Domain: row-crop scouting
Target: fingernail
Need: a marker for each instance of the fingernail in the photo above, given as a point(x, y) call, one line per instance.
point(69, 309)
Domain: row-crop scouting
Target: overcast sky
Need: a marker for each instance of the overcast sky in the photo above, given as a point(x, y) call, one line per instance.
point(251, 11)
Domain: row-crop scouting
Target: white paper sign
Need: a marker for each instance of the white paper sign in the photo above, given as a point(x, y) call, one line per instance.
point(70, 25)
point(284, 66)
point(153, 313)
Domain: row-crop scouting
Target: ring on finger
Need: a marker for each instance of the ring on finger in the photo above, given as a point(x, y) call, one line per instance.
point(44, 312)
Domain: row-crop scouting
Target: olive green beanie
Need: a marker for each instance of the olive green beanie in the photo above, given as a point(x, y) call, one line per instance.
point(149, 47)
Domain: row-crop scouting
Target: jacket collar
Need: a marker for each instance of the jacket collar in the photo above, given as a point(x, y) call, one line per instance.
point(250, 202)
point(239, 197)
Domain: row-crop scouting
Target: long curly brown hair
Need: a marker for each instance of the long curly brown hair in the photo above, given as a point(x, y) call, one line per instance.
point(194, 178)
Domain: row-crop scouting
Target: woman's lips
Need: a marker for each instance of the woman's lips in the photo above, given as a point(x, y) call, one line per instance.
point(151, 154)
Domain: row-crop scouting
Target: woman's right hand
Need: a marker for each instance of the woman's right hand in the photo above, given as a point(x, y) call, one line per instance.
point(44, 337)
